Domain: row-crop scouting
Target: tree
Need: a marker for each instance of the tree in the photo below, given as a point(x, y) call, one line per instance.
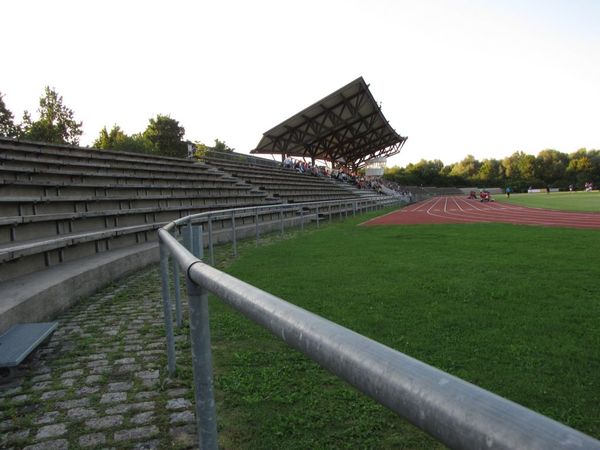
point(110, 140)
point(490, 172)
point(167, 136)
point(116, 139)
point(580, 168)
point(56, 123)
point(550, 166)
point(221, 147)
point(519, 166)
point(467, 168)
point(7, 123)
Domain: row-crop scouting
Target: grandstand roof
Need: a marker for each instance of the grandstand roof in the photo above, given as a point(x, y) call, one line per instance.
point(347, 126)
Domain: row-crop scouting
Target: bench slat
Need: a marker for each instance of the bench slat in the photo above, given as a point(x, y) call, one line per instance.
point(20, 340)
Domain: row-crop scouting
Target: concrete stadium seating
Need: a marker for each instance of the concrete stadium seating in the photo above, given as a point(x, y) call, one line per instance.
point(73, 219)
point(62, 205)
point(286, 184)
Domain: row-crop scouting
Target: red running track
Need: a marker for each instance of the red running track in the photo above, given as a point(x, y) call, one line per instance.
point(462, 210)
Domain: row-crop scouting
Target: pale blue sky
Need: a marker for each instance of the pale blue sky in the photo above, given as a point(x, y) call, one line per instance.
point(457, 77)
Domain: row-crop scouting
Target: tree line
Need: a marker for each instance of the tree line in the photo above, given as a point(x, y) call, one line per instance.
point(550, 168)
point(56, 124)
point(164, 135)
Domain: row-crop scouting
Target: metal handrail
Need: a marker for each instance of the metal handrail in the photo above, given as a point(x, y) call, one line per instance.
point(457, 413)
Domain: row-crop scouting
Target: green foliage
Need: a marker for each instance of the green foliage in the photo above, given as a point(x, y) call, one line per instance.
point(8, 128)
point(116, 139)
point(467, 168)
point(221, 147)
point(56, 122)
point(519, 171)
point(167, 136)
point(163, 136)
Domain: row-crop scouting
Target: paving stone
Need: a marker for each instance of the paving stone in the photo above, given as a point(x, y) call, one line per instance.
point(145, 395)
point(87, 390)
point(92, 379)
point(151, 445)
point(127, 368)
point(177, 392)
point(125, 361)
point(97, 363)
point(42, 377)
point(143, 418)
point(121, 386)
point(148, 375)
point(70, 404)
point(53, 395)
point(148, 384)
point(100, 370)
point(72, 373)
point(41, 386)
point(92, 440)
point(15, 436)
point(178, 403)
point(59, 444)
point(132, 348)
point(81, 413)
point(49, 431)
point(151, 352)
point(68, 382)
point(49, 417)
point(184, 436)
point(20, 398)
point(6, 424)
point(112, 397)
point(135, 433)
point(182, 417)
point(156, 344)
point(12, 391)
point(125, 407)
point(101, 423)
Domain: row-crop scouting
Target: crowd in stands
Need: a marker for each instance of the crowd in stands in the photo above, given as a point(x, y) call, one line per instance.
point(304, 167)
point(378, 185)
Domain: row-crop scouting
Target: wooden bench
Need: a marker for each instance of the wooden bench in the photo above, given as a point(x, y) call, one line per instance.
point(20, 340)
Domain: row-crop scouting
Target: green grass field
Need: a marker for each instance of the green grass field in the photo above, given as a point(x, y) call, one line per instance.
point(569, 201)
point(513, 309)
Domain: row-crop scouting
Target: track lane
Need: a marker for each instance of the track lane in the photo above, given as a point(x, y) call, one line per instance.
point(462, 210)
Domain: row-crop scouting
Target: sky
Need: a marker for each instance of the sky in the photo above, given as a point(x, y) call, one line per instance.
point(457, 77)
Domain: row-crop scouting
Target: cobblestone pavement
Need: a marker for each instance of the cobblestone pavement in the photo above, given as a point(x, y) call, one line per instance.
point(100, 381)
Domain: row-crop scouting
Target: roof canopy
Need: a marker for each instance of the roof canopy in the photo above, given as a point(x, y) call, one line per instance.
point(347, 127)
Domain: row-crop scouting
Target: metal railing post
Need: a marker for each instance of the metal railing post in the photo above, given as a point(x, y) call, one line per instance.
point(301, 219)
point(281, 219)
point(317, 217)
point(198, 242)
point(177, 287)
point(187, 236)
point(206, 416)
point(330, 219)
point(164, 275)
point(210, 242)
point(233, 234)
point(256, 223)
point(353, 209)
